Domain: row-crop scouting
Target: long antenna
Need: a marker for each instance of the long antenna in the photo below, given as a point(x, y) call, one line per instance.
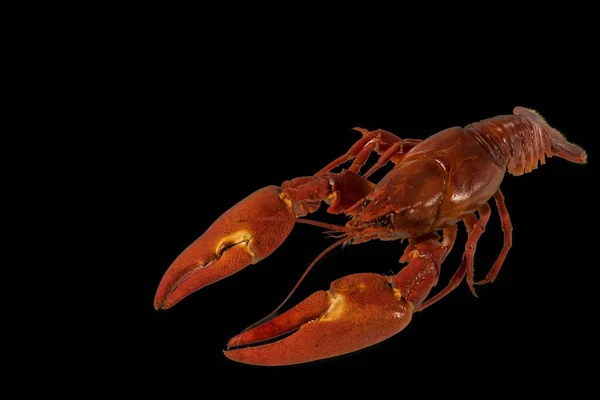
point(327, 250)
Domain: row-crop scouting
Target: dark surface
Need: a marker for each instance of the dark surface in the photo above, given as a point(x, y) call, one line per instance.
point(205, 142)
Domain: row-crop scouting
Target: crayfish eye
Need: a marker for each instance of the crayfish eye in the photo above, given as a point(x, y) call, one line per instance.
point(366, 203)
point(383, 221)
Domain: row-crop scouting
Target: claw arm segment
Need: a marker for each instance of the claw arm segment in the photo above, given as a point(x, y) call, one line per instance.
point(460, 273)
point(415, 281)
point(339, 190)
point(348, 189)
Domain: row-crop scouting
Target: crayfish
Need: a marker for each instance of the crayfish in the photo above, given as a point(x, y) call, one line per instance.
point(435, 183)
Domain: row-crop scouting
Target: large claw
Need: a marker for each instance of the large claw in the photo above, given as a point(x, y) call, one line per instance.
point(245, 234)
point(358, 311)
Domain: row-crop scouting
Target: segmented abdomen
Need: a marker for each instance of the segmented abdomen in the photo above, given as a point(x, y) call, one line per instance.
point(520, 142)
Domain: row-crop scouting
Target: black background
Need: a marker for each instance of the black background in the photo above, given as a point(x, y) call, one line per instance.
point(205, 134)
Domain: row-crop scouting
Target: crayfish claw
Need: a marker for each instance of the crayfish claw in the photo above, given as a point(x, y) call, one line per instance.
point(358, 311)
point(245, 234)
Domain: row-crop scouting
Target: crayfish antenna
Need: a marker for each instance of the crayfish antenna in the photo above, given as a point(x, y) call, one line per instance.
point(315, 261)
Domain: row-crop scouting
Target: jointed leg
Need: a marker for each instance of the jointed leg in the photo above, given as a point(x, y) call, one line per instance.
point(379, 141)
point(363, 155)
point(478, 229)
point(507, 229)
point(449, 239)
point(385, 157)
point(469, 221)
point(447, 242)
point(394, 153)
point(355, 149)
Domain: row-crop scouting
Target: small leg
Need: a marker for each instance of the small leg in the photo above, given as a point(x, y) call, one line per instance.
point(507, 229)
point(448, 242)
point(449, 239)
point(379, 141)
point(459, 275)
point(401, 147)
point(361, 158)
point(478, 229)
point(355, 149)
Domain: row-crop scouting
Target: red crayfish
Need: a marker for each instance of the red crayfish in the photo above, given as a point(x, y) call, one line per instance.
point(435, 183)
